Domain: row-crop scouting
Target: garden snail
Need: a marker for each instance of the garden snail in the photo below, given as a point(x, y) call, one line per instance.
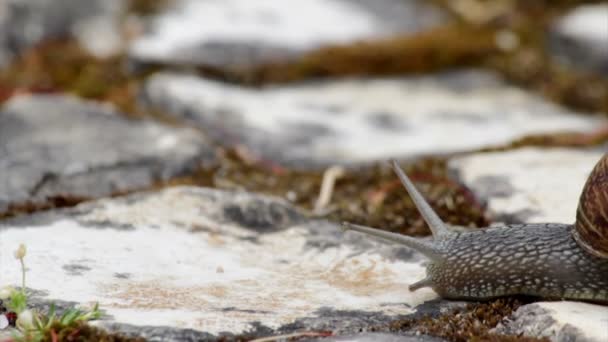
point(548, 260)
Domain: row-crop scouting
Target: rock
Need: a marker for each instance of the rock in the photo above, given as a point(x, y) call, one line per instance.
point(59, 146)
point(239, 33)
point(529, 184)
point(559, 321)
point(362, 120)
point(95, 23)
point(151, 262)
point(580, 37)
point(380, 337)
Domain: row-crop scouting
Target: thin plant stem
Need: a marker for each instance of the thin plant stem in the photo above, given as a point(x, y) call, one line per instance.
point(22, 275)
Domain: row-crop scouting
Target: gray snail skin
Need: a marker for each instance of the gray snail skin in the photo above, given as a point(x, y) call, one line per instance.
point(548, 260)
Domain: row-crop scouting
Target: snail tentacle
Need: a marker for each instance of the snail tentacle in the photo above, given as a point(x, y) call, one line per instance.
point(437, 226)
point(427, 249)
point(548, 260)
point(426, 282)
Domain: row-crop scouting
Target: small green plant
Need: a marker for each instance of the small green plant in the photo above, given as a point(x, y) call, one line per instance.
point(31, 325)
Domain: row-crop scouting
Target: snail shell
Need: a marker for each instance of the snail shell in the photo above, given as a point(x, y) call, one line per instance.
point(591, 227)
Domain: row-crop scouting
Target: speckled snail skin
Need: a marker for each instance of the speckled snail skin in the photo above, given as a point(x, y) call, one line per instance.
point(548, 260)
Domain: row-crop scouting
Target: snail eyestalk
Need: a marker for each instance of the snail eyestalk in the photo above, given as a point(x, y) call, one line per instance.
point(438, 228)
point(425, 248)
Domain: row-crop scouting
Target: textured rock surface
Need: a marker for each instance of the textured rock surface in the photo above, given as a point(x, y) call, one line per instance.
point(581, 37)
point(559, 321)
point(530, 184)
point(60, 146)
point(212, 261)
point(362, 120)
point(26, 22)
point(240, 33)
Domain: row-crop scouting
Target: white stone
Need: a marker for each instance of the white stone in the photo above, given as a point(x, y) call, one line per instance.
point(301, 25)
point(582, 37)
point(559, 321)
point(361, 120)
point(542, 185)
point(152, 260)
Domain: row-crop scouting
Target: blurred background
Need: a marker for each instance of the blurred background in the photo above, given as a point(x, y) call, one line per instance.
point(284, 96)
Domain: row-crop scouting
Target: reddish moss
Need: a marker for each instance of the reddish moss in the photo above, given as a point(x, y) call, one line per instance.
point(472, 323)
point(429, 51)
point(369, 195)
point(63, 66)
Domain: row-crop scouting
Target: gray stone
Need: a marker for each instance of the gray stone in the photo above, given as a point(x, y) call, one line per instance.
point(559, 321)
point(25, 22)
point(580, 38)
point(241, 33)
point(381, 337)
point(529, 184)
point(362, 120)
point(59, 146)
point(196, 272)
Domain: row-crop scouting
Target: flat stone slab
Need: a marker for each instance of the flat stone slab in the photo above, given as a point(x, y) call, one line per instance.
point(559, 321)
point(538, 185)
point(213, 262)
point(241, 33)
point(529, 184)
point(59, 146)
point(581, 37)
point(363, 120)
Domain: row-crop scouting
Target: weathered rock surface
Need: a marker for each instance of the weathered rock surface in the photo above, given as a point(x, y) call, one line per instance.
point(60, 146)
point(538, 185)
point(529, 184)
point(581, 37)
point(241, 33)
point(362, 120)
point(188, 263)
point(25, 22)
point(559, 321)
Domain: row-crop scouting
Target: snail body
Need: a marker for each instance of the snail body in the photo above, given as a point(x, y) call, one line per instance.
point(548, 260)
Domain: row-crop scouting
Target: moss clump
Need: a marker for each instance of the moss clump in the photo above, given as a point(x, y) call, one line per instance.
point(429, 51)
point(82, 332)
point(63, 66)
point(146, 7)
point(472, 323)
point(52, 202)
point(370, 195)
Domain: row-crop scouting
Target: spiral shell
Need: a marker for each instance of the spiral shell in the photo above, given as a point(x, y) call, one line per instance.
point(591, 231)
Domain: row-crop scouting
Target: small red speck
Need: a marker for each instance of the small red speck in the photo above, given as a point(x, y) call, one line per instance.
point(12, 318)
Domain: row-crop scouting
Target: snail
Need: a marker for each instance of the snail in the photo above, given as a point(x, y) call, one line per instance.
point(547, 260)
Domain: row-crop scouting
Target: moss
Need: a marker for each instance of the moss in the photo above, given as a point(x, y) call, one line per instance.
point(63, 66)
point(82, 332)
point(52, 202)
point(370, 195)
point(146, 7)
point(472, 323)
point(429, 51)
